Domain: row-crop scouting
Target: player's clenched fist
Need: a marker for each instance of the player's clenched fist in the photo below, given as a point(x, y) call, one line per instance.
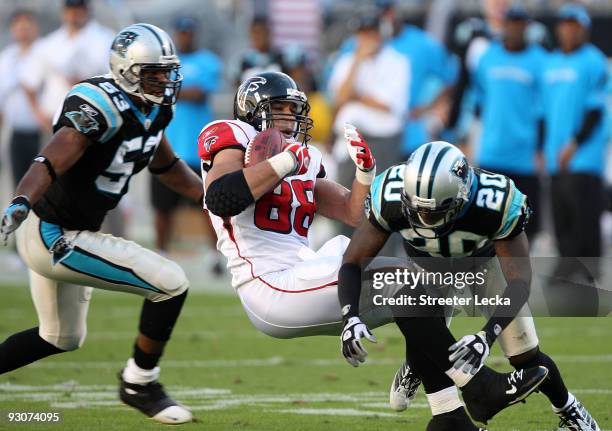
point(360, 153)
point(302, 158)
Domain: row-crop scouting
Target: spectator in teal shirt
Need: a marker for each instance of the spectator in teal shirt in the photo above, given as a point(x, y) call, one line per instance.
point(507, 85)
point(201, 72)
point(574, 105)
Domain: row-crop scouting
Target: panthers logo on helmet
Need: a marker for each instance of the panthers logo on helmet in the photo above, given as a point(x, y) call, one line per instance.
point(460, 168)
point(250, 86)
point(123, 41)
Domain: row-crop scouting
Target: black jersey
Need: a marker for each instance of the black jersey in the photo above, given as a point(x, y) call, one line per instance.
point(496, 209)
point(123, 143)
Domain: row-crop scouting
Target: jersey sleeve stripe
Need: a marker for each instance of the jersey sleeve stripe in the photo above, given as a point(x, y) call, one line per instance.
point(513, 213)
point(246, 137)
point(376, 198)
point(100, 100)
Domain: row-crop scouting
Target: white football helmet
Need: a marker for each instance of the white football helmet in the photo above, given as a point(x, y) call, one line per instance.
point(144, 63)
point(437, 182)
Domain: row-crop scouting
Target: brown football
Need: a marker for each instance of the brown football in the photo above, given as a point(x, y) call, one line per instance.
point(265, 145)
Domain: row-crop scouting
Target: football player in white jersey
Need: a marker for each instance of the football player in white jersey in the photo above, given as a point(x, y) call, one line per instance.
point(262, 213)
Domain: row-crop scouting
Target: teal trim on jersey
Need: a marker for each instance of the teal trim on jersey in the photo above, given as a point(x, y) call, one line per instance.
point(513, 211)
point(376, 197)
point(142, 117)
point(102, 102)
point(86, 263)
point(473, 190)
point(50, 233)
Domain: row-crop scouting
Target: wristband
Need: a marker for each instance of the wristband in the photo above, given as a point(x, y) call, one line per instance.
point(42, 159)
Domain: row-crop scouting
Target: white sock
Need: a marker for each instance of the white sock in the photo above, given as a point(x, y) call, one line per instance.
point(570, 400)
point(132, 373)
point(459, 377)
point(444, 401)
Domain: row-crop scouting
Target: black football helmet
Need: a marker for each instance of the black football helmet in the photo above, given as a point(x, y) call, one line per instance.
point(255, 95)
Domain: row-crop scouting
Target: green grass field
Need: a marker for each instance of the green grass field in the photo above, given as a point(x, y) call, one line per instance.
point(235, 378)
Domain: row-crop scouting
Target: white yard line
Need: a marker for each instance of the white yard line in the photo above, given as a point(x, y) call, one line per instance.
point(279, 360)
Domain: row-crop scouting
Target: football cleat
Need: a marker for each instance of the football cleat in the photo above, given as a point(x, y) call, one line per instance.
point(490, 392)
point(404, 388)
point(577, 418)
point(457, 420)
point(152, 400)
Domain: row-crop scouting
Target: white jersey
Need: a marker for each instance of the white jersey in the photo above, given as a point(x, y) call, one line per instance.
point(271, 234)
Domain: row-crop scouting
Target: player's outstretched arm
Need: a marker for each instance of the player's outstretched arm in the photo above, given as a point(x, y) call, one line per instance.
point(470, 352)
point(64, 149)
point(366, 242)
point(175, 173)
point(335, 201)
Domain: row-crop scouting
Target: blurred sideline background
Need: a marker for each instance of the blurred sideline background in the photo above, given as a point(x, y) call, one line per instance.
point(224, 27)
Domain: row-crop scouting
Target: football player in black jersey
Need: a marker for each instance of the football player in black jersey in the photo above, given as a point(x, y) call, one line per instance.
point(109, 128)
point(444, 208)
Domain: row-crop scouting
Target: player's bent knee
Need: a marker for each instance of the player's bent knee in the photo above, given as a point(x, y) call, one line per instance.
point(172, 279)
point(66, 342)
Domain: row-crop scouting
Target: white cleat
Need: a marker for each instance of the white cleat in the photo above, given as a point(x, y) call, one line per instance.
point(403, 389)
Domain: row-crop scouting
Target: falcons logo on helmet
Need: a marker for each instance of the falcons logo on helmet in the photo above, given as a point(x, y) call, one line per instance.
point(249, 86)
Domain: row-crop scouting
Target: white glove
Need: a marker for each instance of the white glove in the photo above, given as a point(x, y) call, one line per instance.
point(469, 353)
point(350, 341)
point(13, 216)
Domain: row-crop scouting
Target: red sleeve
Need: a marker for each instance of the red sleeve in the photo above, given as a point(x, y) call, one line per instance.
point(220, 136)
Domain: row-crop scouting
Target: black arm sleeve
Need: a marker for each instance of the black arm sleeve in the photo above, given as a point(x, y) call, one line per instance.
point(541, 134)
point(462, 84)
point(517, 292)
point(591, 119)
point(349, 289)
point(229, 195)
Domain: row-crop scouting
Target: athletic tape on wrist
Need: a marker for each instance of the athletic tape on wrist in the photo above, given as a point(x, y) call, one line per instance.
point(365, 178)
point(284, 163)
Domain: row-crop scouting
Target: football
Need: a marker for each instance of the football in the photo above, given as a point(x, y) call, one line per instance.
point(265, 145)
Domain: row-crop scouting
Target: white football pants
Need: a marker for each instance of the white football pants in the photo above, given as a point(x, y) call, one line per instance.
point(61, 282)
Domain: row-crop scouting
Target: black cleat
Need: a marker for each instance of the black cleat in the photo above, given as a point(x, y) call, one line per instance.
point(577, 418)
point(457, 420)
point(151, 400)
point(490, 392)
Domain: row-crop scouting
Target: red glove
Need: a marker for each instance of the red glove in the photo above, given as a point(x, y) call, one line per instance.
point(302, 158)
point(358, 149)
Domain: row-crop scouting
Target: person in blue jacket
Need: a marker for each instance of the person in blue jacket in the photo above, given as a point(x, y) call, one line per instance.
point(507, 83)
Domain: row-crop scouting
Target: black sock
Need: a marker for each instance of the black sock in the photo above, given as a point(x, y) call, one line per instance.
point(434, 379)
point(553, 387)
point(157, 319)
point(23, 348)
point(146, 361)
point(430, 336)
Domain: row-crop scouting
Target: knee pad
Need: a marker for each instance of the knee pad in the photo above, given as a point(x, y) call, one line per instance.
point(66, 342)
point(171, 279)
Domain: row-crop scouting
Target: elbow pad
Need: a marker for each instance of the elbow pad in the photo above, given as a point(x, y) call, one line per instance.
point(229, 195)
